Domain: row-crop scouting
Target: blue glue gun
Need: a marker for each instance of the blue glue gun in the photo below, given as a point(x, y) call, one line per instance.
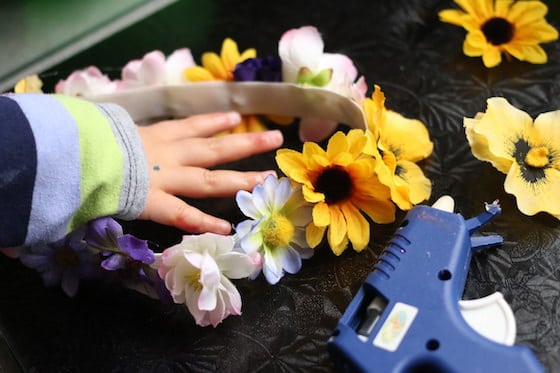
point(408, 315)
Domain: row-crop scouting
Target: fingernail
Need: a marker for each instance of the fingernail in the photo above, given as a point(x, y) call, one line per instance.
point(224, 227)
point(275, 137)
point(232, 118)
point(264, 175)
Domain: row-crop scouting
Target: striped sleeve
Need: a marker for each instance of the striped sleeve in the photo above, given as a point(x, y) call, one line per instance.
point(90, 163)
point(18, 164)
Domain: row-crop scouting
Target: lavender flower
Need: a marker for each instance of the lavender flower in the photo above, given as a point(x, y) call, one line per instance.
point(106, 235)
point(63, 262)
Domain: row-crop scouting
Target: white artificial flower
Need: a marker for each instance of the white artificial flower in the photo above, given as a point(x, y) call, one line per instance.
point(197, 272)
point(276, 228)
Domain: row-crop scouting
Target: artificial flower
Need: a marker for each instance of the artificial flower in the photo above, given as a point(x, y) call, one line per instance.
point(106, 236)
point(155, 69)
point(391, 134)
point(304, 62)
point(220, 67)
point(197, 272)
point(527, 151)
point(63, 262)
point(267, 69)
point(276, 228)
point(87, 82)
point(341, 183)
point(29, 84)
point(515, 28)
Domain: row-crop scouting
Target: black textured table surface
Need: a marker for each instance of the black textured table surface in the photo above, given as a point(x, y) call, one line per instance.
point(417, 60)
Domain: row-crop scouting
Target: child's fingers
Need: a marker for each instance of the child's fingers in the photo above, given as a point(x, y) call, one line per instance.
point(197, 182)
point(218, 150)
point(166, 209)
point(202, 125)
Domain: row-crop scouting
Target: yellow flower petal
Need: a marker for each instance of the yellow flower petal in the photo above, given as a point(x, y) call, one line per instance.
point(248, 53)
point(229, 54)
point(363, 168)
point(337, 228)
point(549, 124)
point(502, 125)
point(380, 211)
point(293, 165)
point(281, 119)
point(29, 84)
point(477, 8)
point(397, 133)
point(523, 13)
point(530, 53)
point(481, 148)
point(491, 57)
point(314, 235)
point(213, 63)
point(357, 141)
point(453, 16)
point(358, 227)
point(537, 196)
point(501, 8)
point(311, 196)
point(339, 249)
point(374, 111)
point(337, 144)
point(321, 214)
point(255, 124)
point(197, 74)
point(420, 187)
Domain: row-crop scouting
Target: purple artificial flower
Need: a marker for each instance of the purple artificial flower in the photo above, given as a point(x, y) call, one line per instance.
point(106, 235)
point(267, 69)
point(63, 262)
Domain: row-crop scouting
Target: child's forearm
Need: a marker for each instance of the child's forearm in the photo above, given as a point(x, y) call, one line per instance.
point(64, 161)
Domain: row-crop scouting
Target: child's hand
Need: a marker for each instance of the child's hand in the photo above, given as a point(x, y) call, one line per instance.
point(178, 152)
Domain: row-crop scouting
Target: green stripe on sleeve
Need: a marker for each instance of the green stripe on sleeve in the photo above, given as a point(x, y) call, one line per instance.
point(101, 162)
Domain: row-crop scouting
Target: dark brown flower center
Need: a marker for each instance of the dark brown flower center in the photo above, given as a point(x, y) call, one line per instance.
point(335, 184)
point(497, 30)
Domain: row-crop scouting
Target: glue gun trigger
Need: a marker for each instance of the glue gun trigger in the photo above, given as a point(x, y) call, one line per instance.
point(491, 317)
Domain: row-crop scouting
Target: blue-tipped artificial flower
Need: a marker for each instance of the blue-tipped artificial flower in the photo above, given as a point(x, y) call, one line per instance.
point(63, 262)
point(276, 228)
point(267, 69)
point(106, 236)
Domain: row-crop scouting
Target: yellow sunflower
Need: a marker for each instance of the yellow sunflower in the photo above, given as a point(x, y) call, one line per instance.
point(221, 67)
point(398, 142)
point(515, 28)
point(341, 183)
point(527, 151)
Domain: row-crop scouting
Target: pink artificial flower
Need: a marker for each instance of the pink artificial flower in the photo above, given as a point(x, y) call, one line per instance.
point(301, 50)
point(87, 82)
point(155, 69)
point(197, 272)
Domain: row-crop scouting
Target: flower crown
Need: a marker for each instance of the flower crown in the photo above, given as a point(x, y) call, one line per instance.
point(329, 194)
